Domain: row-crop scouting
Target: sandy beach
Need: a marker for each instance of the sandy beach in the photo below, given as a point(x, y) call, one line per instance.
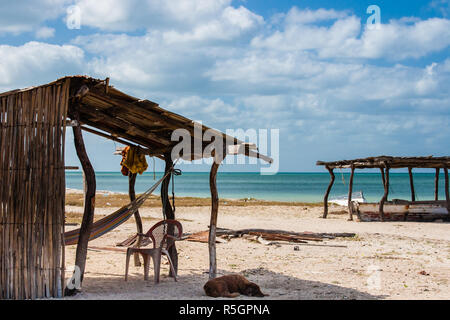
point(390, 260)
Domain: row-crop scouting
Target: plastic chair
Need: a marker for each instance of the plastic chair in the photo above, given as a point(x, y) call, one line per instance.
point(163, 235)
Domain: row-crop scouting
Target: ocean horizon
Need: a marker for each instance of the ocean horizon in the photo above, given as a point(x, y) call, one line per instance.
point(283, 186)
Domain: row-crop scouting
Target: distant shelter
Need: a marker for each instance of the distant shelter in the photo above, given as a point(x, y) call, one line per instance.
point(396, 209)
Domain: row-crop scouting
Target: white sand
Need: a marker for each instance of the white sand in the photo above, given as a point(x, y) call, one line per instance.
point(393, 252)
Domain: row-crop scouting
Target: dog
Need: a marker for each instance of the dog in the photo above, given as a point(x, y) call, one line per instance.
point(231, 286)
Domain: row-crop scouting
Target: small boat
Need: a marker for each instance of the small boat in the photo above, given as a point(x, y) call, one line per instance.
point(343, 200)
point(402, 210)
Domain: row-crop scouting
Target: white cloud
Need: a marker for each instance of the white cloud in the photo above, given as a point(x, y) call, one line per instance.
point(296, 16)
point(24, 16)
point(232, 23)
point(347, 36)
point(45, 32)
point(208, 111)
point(35, 63)
point(118, 15)
point(310, 73)
point(398, 40)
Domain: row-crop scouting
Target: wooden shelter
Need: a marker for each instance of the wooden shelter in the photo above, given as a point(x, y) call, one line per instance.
point(396, 209)
point(32, 189)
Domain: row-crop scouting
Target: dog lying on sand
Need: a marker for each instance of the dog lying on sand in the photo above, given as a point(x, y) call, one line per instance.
point(231, 286)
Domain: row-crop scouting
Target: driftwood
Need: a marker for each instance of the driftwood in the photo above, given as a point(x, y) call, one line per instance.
point(262, 235)
point(202, 237)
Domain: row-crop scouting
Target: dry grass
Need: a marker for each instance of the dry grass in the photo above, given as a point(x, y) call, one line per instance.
point(76, 218)
point(119, 200)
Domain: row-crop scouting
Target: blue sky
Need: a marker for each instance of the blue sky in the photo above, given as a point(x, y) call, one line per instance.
point(334, 88)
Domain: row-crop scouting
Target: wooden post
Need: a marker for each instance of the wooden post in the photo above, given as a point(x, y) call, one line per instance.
point(137, 216)
point(411, 182)
point(167, 208)
point(382, 177)
point(350, 190)
point(89, 207)
point(325, 198)
point(84, 188)
point(447, 197)
point(213, 222)
point(436, 185)
point(386, 193)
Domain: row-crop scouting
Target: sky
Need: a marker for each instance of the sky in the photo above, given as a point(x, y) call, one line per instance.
point(335, 85)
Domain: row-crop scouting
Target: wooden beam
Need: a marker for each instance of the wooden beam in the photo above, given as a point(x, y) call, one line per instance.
point(386, 193)
point(71, 168)
point(139, 108)
point(213, 221)
point(350, 191)
point(156, 153)
point(436, 185)
point(89, 207)
point(168, 211)
point(121, 132)
point(130, 127)
point(325, 198)
point(137, 216)
point(411, 183)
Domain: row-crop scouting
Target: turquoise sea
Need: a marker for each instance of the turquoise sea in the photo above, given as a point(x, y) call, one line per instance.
point(304, 187)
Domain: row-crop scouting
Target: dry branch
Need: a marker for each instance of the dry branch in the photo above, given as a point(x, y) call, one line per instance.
point(268, 235)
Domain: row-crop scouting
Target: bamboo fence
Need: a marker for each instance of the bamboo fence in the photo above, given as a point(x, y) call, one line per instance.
point(32, 191)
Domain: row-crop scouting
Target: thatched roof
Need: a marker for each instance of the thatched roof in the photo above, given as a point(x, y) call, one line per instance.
point(391, 162)
point(130, 120)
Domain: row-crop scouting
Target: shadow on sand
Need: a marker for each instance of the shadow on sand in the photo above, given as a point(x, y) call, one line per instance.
point(190, 287)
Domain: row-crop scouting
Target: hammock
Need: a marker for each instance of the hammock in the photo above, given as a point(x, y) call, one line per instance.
point(115, 219)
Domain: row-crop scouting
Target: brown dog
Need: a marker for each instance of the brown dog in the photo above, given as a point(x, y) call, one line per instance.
point(230, 286)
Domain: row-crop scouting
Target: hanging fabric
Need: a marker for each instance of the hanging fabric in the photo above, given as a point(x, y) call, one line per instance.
point(133, 160)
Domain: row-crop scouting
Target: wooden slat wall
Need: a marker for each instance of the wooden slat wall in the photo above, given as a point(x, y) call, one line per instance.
point(32, 192)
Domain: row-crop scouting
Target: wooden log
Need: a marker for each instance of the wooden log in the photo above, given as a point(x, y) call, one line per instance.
point(237, 233)
point(213, 221)
point(411, 183)
point(137, 216)
point(350, 191)
point(325, 199)
point(168, 211)
point(436, 185)
point(88, 215)
point(386, 193)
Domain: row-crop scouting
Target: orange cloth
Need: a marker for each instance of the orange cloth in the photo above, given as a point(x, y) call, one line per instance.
point(133, 160)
